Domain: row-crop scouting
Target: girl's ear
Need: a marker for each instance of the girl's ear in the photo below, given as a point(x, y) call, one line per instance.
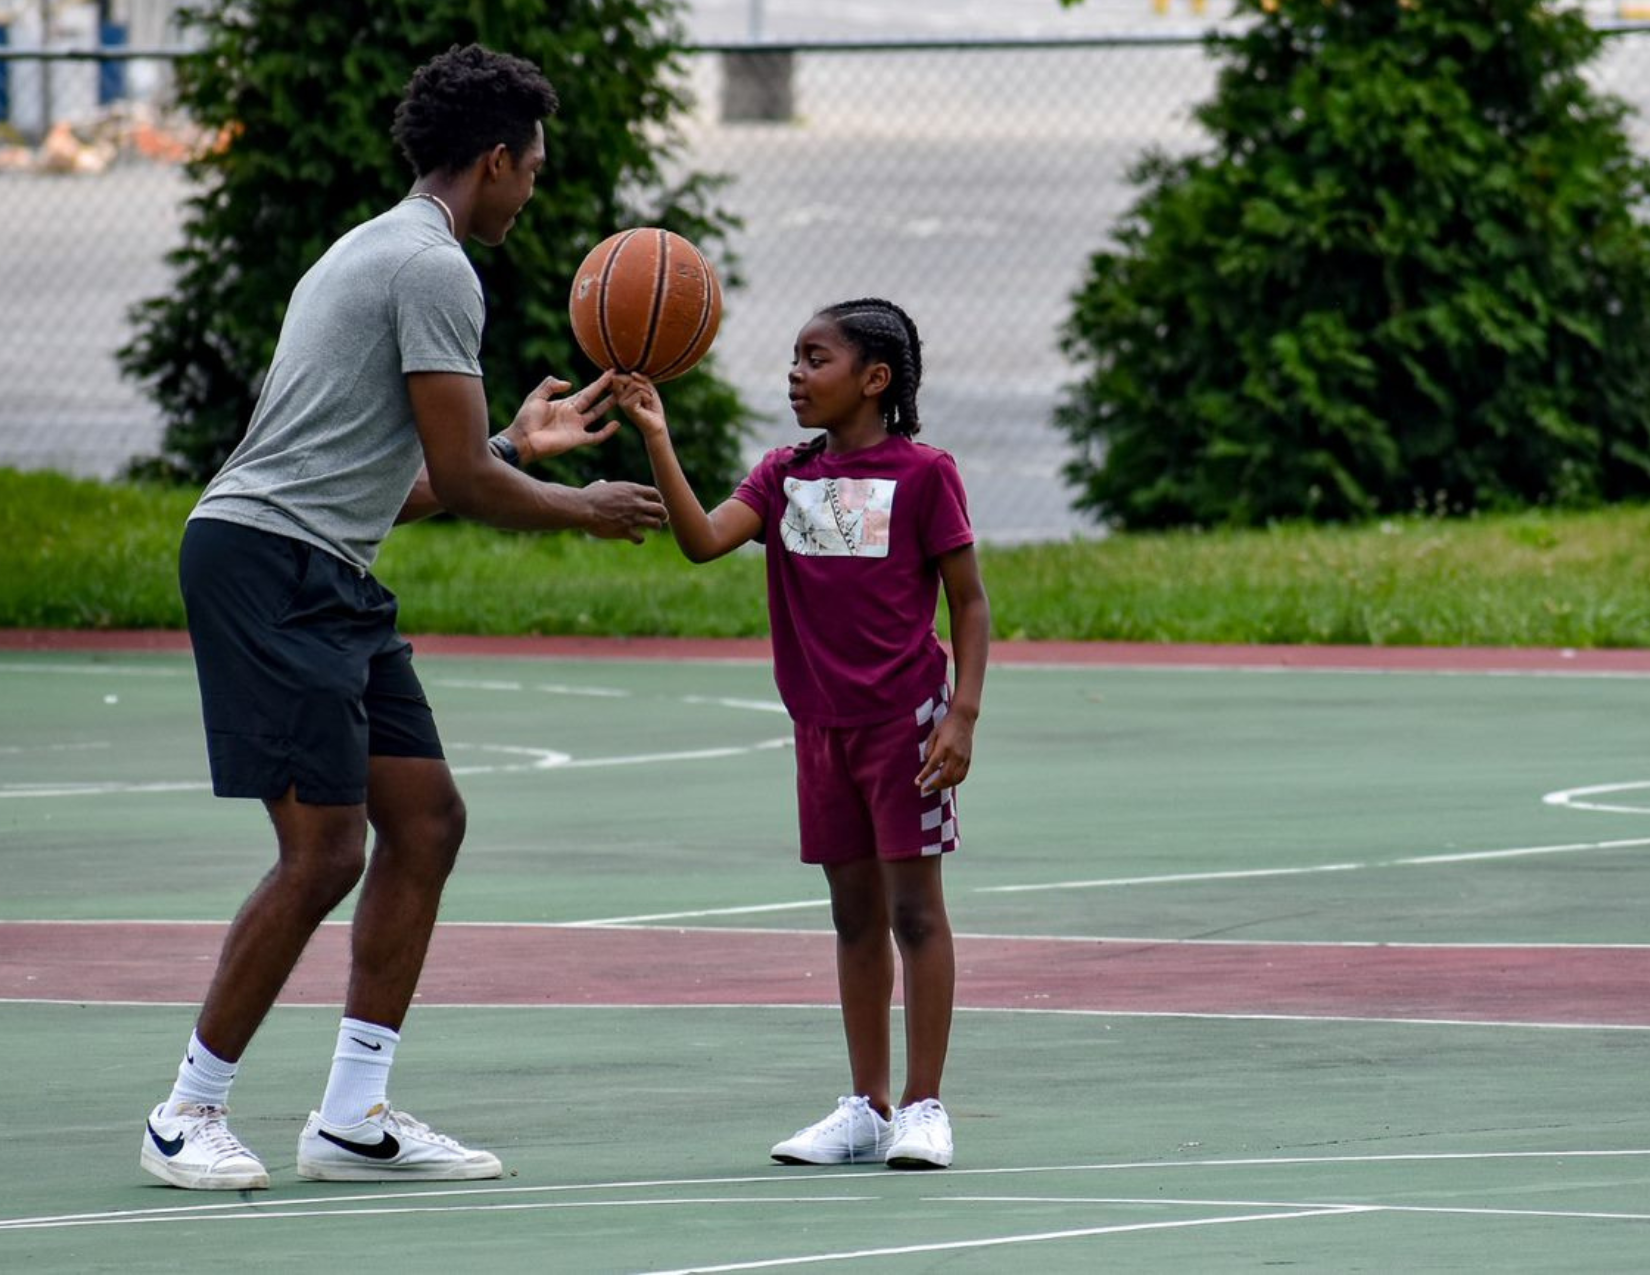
point(877, 378)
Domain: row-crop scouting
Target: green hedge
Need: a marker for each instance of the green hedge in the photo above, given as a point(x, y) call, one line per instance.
point(1410, 273)
point(304, 95)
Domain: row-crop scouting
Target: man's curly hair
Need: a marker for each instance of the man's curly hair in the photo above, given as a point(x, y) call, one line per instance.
point(462, 103)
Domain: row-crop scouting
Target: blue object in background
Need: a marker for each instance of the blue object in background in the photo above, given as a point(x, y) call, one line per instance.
point(5, 71)
point(111, 76)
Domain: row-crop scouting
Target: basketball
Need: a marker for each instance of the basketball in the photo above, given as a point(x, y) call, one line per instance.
point(645, 300)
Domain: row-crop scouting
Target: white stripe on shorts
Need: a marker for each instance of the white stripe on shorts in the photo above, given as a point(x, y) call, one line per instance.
point(942, 815)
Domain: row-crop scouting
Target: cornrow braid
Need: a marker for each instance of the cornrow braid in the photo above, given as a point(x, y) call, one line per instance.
point(880, 330)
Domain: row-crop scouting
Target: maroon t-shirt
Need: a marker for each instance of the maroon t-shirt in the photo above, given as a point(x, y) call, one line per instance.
point(853, 543)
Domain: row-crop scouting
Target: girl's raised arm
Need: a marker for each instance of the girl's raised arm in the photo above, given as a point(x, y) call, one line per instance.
point(702, 536)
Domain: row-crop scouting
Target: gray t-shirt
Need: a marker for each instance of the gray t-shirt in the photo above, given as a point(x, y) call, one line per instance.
point(332, 450)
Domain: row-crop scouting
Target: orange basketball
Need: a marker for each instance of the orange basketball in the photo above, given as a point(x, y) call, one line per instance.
point(645, 300)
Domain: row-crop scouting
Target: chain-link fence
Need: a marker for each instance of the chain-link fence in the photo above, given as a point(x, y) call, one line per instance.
point(967, 182)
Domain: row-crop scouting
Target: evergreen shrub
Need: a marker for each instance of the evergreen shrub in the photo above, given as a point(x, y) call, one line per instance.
point(1412, 272)
point(303, 96)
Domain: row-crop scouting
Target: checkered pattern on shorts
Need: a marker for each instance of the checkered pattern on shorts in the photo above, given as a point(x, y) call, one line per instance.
point(939, 819)
point(857, 796)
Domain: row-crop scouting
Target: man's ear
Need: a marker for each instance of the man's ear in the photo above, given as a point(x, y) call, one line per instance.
point(496, 159)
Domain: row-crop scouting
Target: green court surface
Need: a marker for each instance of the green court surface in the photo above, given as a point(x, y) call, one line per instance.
point(1343, 971)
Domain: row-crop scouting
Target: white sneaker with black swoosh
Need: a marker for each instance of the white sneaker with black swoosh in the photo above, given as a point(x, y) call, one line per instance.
point(388, 1146)
point(189, 1145)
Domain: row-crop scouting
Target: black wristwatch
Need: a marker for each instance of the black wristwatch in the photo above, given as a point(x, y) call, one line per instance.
point(505, 450)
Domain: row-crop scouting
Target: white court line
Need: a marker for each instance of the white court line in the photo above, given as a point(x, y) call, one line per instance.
point(788, 1178)
point(832, 1008)
point(16, 750)
point(1407, 862)
point(1519, 853)
point(1333, 670)
point(541, 759)
point(1147, 940)
point(1569, 798)
point(1466, 1210)
point(620, 922)
point(1004, 668)
point(639, 924)
point(97, 789)
point(277, 1212)
point(723, 701)
point(1211, 1016)
point(700, 754)
point(1143, 940)
point(1036, 1237)
point(544, 688)
point(87, 670)
point(1171, 878)
point(605, 692)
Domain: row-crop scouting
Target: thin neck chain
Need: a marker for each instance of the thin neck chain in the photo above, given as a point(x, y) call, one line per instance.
point(452, 227)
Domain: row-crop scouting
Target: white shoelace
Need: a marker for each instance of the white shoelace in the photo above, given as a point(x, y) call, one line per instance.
point(919, 1115)
point(849, 1111)
point(211, 1128)
point(416, 1127)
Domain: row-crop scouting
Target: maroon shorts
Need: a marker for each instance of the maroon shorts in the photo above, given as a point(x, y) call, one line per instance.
point(857, 793)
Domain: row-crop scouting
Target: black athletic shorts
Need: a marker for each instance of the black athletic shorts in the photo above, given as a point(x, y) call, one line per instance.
point(302, 673)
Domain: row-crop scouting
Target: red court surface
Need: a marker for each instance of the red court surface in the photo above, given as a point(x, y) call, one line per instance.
point(523, 965)
point(539, 965)
point(1463, 659)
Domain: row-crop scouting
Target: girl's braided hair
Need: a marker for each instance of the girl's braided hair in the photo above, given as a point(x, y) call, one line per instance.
point(879, 330)
point(883, 332)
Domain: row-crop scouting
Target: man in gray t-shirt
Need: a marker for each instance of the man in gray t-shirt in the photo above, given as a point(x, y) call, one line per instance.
point(373, 412)
point(333, 447)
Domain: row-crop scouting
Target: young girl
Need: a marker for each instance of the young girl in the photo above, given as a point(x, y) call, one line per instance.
point(862, 526)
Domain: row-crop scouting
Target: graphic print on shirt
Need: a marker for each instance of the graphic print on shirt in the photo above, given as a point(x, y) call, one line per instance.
point(838, 517)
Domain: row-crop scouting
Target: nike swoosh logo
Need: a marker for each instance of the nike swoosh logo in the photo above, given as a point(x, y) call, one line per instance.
point(367, 1044)
point(189, 1058)
point(168, 1147)
point(388, 1149)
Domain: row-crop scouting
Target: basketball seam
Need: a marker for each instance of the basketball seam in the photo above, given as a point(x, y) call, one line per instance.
point(661, 286)
point(608, 268)
point(704, 319)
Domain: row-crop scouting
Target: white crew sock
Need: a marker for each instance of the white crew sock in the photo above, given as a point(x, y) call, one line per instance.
point(203, 1077)
point(360, 1072)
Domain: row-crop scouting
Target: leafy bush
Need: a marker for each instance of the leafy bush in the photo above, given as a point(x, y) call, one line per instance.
point(303, 96)
point(1410, 273)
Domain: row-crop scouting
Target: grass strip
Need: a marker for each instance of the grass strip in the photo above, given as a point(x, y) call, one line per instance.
point(82, 554)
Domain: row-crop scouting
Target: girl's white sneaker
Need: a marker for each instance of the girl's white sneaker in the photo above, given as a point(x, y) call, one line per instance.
point(922, 1137)
point(855, 1133)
